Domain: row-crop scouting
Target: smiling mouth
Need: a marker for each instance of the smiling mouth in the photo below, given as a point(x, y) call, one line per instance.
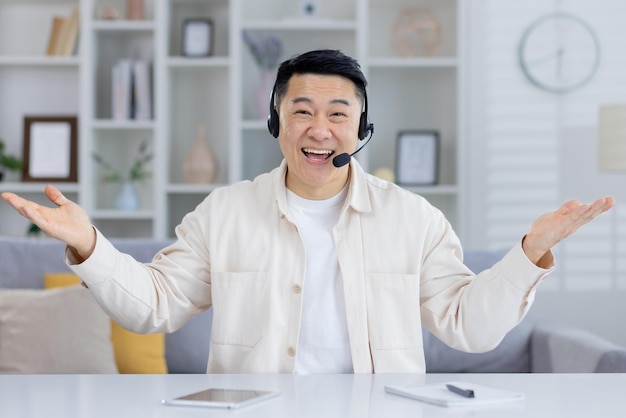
point(316, 154)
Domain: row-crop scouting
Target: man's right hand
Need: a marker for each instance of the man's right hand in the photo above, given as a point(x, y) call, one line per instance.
point(68, 222)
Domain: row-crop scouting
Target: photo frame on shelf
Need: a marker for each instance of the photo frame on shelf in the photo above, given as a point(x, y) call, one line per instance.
point(197, 37)
point(50, 149)
point(417, 158)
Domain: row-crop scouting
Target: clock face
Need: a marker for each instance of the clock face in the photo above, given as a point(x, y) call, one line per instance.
point(559, 53)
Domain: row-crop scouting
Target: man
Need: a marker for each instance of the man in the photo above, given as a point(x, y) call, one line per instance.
point(316, 266)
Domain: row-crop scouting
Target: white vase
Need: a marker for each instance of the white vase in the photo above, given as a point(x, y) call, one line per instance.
point(200, 164)
point(127, 199)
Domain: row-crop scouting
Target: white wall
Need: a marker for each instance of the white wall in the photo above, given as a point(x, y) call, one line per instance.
point(531, 150)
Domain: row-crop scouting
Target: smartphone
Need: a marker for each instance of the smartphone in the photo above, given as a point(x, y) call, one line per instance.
point(222, 398)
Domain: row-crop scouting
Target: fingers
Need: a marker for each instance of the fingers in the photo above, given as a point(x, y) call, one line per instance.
point(55, 196)
point(577, 214)
point(14, 200)
point(26, 208)
point(597, 207)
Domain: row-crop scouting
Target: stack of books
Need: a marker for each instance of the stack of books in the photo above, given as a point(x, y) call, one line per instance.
point(63, 34)
point(131, 90)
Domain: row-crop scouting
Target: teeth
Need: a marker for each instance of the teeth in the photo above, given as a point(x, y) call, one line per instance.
point(315, 151)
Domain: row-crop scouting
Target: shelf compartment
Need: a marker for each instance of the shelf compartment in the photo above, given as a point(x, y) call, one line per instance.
point(25, 25)
point(425, 99)
point(217, 11)
point(383, 18)
point(120, 148)
point(109, 47)
point(202, 95)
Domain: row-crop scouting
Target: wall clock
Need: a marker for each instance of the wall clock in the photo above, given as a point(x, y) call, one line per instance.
point(559, 52)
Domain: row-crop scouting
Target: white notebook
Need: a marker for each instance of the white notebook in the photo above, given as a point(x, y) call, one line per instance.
point(439, 394)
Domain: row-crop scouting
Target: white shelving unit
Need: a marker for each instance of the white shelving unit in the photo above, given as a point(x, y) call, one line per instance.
point(218, 92)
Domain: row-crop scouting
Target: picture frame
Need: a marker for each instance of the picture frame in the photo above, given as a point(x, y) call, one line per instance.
point(197, 37)
point(50, 149)
point(417, 158)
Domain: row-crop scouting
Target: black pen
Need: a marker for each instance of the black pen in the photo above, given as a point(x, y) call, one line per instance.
point(467, 393)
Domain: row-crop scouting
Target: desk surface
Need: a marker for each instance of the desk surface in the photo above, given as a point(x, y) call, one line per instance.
point(319, 396)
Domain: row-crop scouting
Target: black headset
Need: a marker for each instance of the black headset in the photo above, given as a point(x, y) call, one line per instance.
point(365, 126)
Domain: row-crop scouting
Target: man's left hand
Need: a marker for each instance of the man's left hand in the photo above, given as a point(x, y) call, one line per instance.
point(553, 227)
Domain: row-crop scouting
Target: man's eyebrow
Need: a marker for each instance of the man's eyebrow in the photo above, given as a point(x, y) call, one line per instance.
point(305, 99)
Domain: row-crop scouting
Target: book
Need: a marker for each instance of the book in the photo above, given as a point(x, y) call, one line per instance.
point(55, 34)
point(63, 34)
point(69, 35)
point(142, 91)
point(438, 394)
point(121, 94)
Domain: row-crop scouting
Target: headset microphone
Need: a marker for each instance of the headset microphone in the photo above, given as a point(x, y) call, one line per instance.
point(344, 158)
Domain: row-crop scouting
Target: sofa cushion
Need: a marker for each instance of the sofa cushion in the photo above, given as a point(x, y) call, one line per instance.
point(23, 261)
point(187, 349)
point(54, 331)
point(134, 353)
point(512, 355)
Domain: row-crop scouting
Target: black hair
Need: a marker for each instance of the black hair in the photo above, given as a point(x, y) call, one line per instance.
point(323, 62)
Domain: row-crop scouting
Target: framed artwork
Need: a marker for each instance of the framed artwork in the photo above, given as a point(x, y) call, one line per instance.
point(197, 37)
point(50, 148)
point(417, 158)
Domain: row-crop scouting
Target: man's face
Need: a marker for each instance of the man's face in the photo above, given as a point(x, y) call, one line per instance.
point(319, 119)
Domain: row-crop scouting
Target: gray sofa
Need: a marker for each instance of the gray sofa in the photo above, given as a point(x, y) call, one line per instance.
point(530, 347)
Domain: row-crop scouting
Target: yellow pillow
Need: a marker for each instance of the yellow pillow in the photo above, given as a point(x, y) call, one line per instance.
point(134, 353)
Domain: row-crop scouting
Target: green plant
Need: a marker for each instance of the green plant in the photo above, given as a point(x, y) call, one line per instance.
point(8, 161)
point(137, 171)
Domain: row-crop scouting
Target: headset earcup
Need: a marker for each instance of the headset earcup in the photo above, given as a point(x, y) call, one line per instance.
point(273, 123)
point(365, 127)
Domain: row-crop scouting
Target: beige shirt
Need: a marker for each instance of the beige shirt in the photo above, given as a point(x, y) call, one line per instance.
point(241, 253)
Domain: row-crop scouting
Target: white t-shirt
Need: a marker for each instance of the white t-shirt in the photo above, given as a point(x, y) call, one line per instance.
point(323, 345)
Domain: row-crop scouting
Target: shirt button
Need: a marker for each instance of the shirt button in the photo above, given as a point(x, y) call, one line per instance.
point(291, 351)
point(296, 289)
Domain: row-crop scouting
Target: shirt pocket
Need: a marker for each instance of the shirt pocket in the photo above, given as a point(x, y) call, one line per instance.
point(240, 307)
point(393, 311)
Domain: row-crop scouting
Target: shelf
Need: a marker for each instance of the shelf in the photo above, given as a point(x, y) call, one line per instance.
point(184, 62)
point(37, 187)
point(110, 124)
point(435, 62)
point(123, 25)
point(112, 214)
point(299, 24)
point(192, 188)
point(39, 61)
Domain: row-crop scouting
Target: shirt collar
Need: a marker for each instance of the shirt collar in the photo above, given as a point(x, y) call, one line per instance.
point(358, 196)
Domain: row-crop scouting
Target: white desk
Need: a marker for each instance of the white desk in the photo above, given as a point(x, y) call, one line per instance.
point(319, 396)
